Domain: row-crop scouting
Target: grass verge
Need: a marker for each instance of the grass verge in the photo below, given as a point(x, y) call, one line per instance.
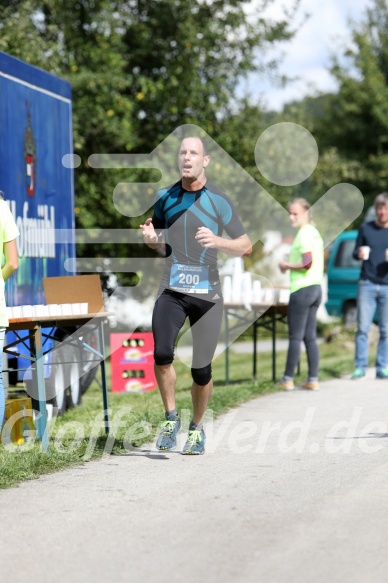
point(78, 436)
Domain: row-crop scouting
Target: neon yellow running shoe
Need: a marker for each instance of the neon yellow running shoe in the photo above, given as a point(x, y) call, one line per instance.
point(195, 444)
point(167, 436)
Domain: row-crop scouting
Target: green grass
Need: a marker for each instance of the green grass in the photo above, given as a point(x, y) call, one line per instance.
point(78, 436)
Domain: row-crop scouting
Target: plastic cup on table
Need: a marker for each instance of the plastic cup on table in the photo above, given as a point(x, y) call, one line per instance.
point(27, 311)
point(38, 311)
point(45, 310)
point(227, 288)
point(268, 296)
point(54, 309)
point(16, 312)
point(65, 309)
point(257, 293)
point(284, 296)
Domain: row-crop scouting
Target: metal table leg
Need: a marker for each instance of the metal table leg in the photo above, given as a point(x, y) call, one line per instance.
point(38, 381)
point(101, 356)
point(255, 326)
point(103, 380)
point(274, 344)
point(226, 348)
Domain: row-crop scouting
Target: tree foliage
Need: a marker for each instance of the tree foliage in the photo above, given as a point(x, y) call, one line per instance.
point(350, 125)
point(139, 69)
point(354, 121)
point(187, 58)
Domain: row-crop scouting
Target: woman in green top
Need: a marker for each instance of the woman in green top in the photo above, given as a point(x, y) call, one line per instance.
point(306, 272)
point(8, 234)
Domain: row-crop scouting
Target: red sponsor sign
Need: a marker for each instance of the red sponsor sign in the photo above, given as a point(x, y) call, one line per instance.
point(132, 362)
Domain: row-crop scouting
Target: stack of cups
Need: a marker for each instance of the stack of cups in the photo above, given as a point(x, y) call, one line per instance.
point(227, 289)
point(256, 292)
point(246, 289)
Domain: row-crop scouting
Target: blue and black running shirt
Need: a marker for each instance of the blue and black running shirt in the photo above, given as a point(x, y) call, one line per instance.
point(181, 213)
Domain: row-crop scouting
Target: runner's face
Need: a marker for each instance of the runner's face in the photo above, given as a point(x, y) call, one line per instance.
point(297, 215)
point(192, 162)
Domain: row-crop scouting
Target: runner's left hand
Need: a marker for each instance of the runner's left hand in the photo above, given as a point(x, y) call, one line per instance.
point(206, 238)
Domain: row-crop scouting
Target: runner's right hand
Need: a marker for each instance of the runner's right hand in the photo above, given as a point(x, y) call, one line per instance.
point(149, 233)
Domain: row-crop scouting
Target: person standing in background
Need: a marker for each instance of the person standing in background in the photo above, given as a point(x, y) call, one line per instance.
point(372, 247)
point(8, 234)
point(306, 264)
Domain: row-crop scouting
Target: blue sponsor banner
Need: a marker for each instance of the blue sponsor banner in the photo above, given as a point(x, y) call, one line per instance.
point(35, 135)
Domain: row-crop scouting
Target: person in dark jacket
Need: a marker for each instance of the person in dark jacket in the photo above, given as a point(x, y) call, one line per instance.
point(372, 248)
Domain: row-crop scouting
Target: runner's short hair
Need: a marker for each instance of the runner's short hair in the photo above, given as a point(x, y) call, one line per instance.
point(204, 147)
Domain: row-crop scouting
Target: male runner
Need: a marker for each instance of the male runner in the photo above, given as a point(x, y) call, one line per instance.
point(192, 214)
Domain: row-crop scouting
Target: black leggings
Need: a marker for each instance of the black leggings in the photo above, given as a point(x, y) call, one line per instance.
point(170, 312)
point(302, 326)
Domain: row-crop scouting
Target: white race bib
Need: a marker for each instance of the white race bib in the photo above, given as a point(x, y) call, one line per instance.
point(190, 279)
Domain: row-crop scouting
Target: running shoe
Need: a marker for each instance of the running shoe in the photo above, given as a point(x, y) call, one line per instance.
point(167, 436)
point(382, 373)
point(358, 374)
point(286, 384)
point(195, 444)
point(310, 386)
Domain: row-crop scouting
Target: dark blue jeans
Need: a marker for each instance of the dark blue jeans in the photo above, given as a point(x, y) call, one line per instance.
point(302, 326)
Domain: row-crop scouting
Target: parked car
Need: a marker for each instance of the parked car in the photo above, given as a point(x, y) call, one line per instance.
point(343, 272)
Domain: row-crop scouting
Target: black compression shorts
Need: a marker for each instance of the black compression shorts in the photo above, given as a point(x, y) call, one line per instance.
point(205, 317)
